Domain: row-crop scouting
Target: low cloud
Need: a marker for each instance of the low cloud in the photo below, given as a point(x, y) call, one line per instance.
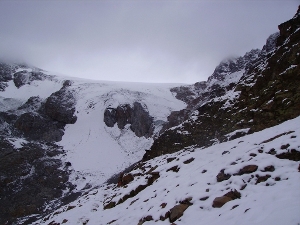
point(145, 41)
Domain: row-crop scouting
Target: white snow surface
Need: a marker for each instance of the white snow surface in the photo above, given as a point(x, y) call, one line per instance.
point(97, 150)
point(275, 201)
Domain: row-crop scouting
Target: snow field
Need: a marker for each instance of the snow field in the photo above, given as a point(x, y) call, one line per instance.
point(270, 202)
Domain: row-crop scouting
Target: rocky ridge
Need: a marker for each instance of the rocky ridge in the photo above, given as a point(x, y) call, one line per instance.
point(265, 93)
point(31, 172)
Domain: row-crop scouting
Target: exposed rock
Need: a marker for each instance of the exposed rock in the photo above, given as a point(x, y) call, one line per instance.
point(222, 176)
point(170, 159)
point(220, 201)
point(21, 78)
point(36, 127)
point(5, 75)
point(174, 169)
point(110, 118)
point(123, 115)
point(248, 169)
point(233, 194)
point(272, 151)
point(262, 178)
point(5, 72)
point(243, 187)
point(24, 77)
point(177, 211)
point(290, 155)
point(285, 146)
point(141, 123)
point(41, 177)
point(163, 205)
point(269, 169)
point(126, 179)
point(153, 176)
point(204, 198)
point(267, 95)
point(188, 161)
point(145, 219)
point(60, 106)
point(31, 105)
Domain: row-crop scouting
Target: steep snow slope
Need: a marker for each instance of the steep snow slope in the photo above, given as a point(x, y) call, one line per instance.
point(258, 167)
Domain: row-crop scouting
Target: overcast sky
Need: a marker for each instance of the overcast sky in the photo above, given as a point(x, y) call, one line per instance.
point(143, 41)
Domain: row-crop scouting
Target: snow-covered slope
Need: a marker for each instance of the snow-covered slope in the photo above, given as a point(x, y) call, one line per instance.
point(91, 147)
point(259, 167)
point(97, 150)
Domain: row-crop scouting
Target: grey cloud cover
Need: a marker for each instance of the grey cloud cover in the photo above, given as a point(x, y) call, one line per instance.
point(144, 41)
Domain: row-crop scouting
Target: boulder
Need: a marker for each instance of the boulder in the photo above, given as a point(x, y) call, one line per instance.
point(177, 211)
point(248, 169)
point(222, 176)
point(60, 106)
point(220, 201)
point(126, 179)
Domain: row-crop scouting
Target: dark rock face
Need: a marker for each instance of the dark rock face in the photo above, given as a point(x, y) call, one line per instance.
point(5, 72)
point(29, 177)
point(23, 77)
point(32, 104)
point(141, 123)
point(233, 65)
point(5, 75)
point(60, 106)
point(268, 94)
point(36, 127)
point(39, 120)
point(110, 117)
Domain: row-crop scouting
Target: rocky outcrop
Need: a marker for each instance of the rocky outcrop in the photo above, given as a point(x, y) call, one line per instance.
point(33, 176)
point(266, 94)
point(60, 106)
point(220, 201)
point(177, 211)
point(29, 177)
point(222, 176)
point(43, 120)
point(36, 127)
point(5, 75)
point(141, 123)
point(33, 104)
